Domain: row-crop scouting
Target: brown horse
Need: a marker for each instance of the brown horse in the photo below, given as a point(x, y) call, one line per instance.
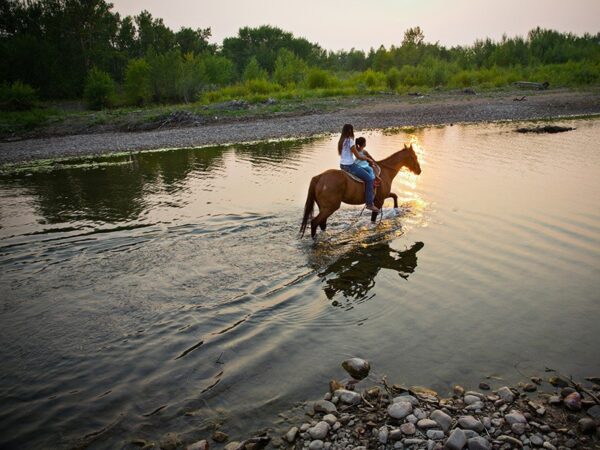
point(332, 187)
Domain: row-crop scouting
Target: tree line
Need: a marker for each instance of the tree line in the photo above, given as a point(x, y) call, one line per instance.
point(71, 48)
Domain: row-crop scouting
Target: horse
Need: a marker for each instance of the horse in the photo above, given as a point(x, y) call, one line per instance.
point(332, 187)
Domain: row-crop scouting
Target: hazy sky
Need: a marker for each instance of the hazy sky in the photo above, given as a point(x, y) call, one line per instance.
point(363, 24)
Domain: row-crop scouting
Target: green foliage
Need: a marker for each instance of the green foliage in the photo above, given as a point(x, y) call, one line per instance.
point(289, 69)
point(17, 97)
point(318, 78)
point(193, 77)
point(165, 73)
point(392, 78)
point(138, 87)
point(99, 91)
point(218, 70)
point(254, 71)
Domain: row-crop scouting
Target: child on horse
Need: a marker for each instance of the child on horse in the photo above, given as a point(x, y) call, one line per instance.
point(348, 154)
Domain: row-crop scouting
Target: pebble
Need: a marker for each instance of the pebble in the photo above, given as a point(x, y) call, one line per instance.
point(316, 445)
point(549, 446)
point(169, 441)
point(475, 406)
point(406, 398)
point(348, 397)
point(443, 419)
point(586, 425)
point(436, 435)
point(470, 399)
point(358, 368)
point(530, 387)
point(219, 436)
point(536, 440)
point(330, 419)
point(573, 401)
point(518, 428)
point(399, 410)
point(408, 428)
point(594, 412)
point(419, 413)
point(233, 445)
point(319, 431)
point(324, 406)
point(458, 390)
point(506, 394)
point(291, 435)
point(484, 386)
point(383, 435)
point(515, 417)
point(470, 423)
point(511, 440)
point(478, 443)
point(457, 440)
point(200, 445)
point(412, 418)
point(427, 423)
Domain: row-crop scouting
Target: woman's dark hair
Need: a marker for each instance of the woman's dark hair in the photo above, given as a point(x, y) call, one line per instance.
point(347, 132)
point(361, 141)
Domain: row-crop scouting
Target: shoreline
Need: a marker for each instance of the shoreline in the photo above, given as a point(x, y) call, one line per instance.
point(359, 413)
point(380, 112)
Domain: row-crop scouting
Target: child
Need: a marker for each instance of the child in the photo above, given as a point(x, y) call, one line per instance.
point(361, 144)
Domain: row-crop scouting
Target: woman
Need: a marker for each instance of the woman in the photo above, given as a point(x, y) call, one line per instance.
point(348, 154)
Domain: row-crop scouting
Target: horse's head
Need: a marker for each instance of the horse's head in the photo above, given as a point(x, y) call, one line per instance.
point(412, 161)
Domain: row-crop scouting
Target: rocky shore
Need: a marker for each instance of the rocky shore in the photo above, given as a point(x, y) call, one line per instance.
point(383, 111)
point(555, 413)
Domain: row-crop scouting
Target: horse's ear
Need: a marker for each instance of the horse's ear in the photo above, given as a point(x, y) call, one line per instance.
point(405, 145)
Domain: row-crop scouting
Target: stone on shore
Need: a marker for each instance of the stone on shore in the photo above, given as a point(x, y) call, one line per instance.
point(470, 423)
point(316, 445)
point(170, 441)
point(348, 397)
point(594, 412)
point(427, 424)
point(435, 435)
point(506, 394)
point(408, 428)
point(319, 431)
point(470, 399)
point(443, 419)
point(515, 417)
point(399, 410)
point(358, 368)
point(291, 435)
point(478, 443)
point(219, 436)
point(324, 406)
point(200, 445)
point(573, 401)
point(586, 425)
point(457, 440)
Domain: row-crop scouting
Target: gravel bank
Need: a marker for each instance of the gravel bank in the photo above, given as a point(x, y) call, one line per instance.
point(379, 112)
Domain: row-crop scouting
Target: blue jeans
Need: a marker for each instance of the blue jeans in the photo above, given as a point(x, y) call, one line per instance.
point(366, 176)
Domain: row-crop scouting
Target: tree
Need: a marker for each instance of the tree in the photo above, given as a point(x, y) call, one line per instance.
point(253, 71)
point(289, 68)
point(413, 36)
point(194, 41)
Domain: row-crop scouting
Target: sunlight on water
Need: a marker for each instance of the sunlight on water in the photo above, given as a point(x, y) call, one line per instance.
point(168, 291)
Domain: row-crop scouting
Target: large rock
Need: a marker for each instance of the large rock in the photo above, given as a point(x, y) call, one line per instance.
point(399, 410)
point(357, 368)
point(324, 406)
point(573, 401)
point(443, 419)
point(457, 440)
point(348, 397)
point(470, 423)
point(319, 431)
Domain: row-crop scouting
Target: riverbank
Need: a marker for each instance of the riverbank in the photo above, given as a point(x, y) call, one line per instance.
point(319, 117)
point(554, 413)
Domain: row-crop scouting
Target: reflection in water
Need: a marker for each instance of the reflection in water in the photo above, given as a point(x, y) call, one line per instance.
point(354, 274)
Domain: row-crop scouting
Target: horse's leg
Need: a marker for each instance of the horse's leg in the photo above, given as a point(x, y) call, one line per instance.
point(395, 197)
point(320, 220)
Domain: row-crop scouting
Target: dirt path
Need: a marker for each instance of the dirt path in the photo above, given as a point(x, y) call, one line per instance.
point(375, 112)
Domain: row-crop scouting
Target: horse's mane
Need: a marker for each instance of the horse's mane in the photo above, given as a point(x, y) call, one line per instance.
point(389, 160)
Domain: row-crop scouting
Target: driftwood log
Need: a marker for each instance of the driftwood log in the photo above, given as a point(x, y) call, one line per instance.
point(532, 85)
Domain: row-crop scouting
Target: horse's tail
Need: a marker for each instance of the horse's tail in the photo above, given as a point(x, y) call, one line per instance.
point(310, 204)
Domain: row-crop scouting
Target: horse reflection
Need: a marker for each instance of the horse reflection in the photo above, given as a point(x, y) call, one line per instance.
point(354, 274)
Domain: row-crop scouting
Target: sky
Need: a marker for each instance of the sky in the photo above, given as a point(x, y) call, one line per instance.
point(337, 25)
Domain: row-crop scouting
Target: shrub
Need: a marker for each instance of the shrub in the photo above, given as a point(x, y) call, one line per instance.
point(317, 78)
point(254, 71)
point(17, 97)
point(218, 70)
point(99, 91)
point(138, 89)
point(392, 78)
point(165, 74)
point(289, 69)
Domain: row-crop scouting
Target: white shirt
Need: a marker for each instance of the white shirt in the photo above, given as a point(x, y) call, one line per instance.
point(347, 158)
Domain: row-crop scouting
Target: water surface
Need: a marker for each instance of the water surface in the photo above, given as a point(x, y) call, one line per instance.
point(168, 291)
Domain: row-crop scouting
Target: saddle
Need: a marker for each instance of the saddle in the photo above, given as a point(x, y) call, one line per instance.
point(355, 178)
